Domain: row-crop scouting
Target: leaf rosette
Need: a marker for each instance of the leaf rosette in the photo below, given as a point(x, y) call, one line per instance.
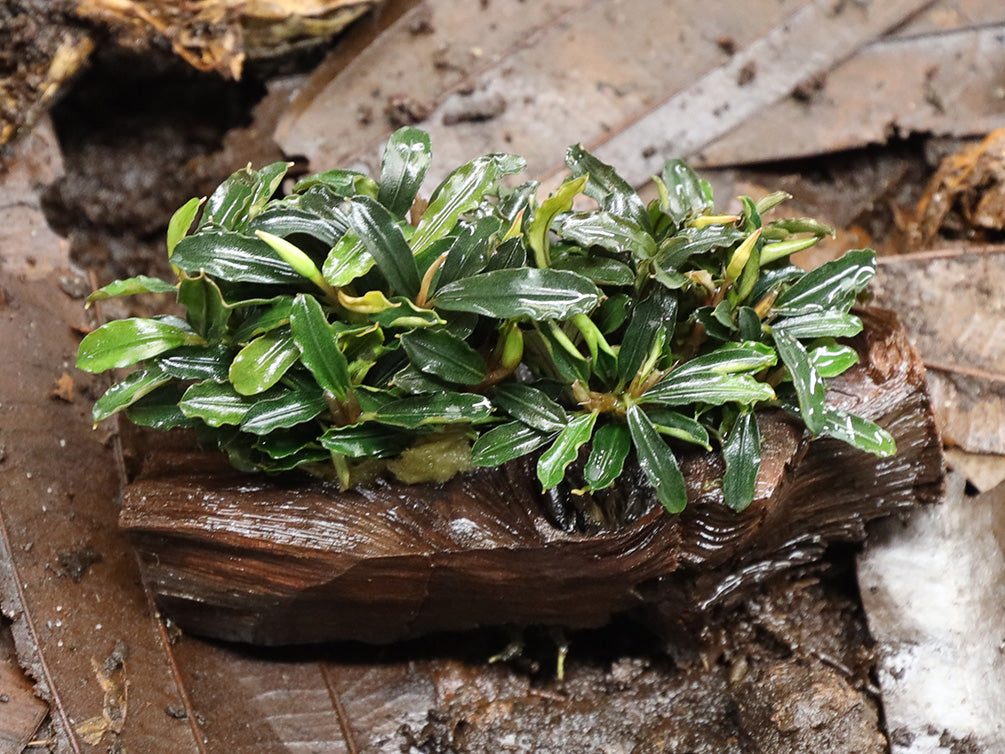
point(345, 331)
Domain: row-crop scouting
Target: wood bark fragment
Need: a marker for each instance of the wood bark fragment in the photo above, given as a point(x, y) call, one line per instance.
point(284, 560)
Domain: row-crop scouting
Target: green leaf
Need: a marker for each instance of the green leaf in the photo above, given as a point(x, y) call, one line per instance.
point(295, 215)
point(506, 442)
point(130, 287)
point(607, 187)
point(470, 251)
point(295, 257)
point(273, 315)
point(679, 426)
point(539, 225)
point(180, 222)
point(553, 462)
point(197, 363)
point(205, 308)
point(821, 325)
point(612, 313)
point(530, 406)
point(124, 342)
point(831, 286)
point(510, 254)
point(767, 203)
point(601, 270)
point(406, 315)
point(741, 450)
point(657, 461)
point(730, 358)
point(342, 183)
point(382, 237)
point(614, 233)
point(366, 440)
point(749, 323)
point(803, 225)
point(416, 382)
point(858, 432)
point(707, 387)
point(407, 157)
point(809, 385)
point(652, 320)
point(233, 257)
point(347, 261)
point(687, 193)
point(127, 391)
point(242, 196)
point(159, 409)
point(831, 360)
point(521, 292)
point(215, 403)
point(772, 252)
point(262, 363)
point(445, 408)
point(289, 409)
point(611, 445)
point(460, 192)
point(443, 355)
point(318, 346)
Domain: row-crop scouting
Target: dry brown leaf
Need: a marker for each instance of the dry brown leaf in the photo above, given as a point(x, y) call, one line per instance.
point(111, 677)
point(63, 389)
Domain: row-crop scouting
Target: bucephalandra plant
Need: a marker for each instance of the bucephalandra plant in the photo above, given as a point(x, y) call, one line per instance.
point(349, 322)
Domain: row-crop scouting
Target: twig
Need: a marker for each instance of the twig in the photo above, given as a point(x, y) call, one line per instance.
point(983, 250)
point(979, 374)
point(336, 700)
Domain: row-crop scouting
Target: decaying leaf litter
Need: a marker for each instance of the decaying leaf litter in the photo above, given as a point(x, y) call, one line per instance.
point(264, 730)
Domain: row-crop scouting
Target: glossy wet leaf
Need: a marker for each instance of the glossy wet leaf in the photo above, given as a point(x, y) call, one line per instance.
point(318, 346)
point(611, 445)
point(531, 406)
point(707, 387)
point(407, 157)
point(730, 358)
point(364, 440)
point(180, 222)
point(506, 442)
point(601, 270)
point(289, 409)
point(445, 408)
point(127, 391)
point(197, 363)
point(607, 187)
point(741, 449)
point(807, 381)
point(270, 316)
point(288, 220)
point(217, 404)
point(687, 194)
point(347, 260)
point(614, 233)
point(341, 183)
point(521, 292)
point(651, 321)
point(130, 287)
point(858, 432)
point(443, 355)
point(553, 462)
point(262, 363)
point(460, 192)
point(831, 286)
point(821, 325)
point(205, 309)
point(540, 224)
point(657, 461)
point(831, 360)
point(678, 426)
point(124, 342)
point(383, 239)
point(159, 409)
point(242, 195)
point(233, 257)
point(470, 251)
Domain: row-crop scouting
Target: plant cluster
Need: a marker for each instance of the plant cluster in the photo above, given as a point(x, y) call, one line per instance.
point(351, 321)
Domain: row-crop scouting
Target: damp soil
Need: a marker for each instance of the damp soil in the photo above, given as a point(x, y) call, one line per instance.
point(789, 670)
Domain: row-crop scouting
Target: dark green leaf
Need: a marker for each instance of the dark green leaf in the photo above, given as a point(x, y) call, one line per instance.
point(215, 403)
point(470, 251)
point(601, 270)
point(344, 184)
point(159, 409)
point(318, 346)
point(741, 450)
point(652, 320)
point(553, 462)
point(749, 323)
point(233, 257)
point(676, 251)
point(129, 287)
point(124, 342)
point(858, 432)
point(730, 358)
point(205, 308)
point(568, 362)
point(242, 196)
point(460, 192)
point(445, 408)
point(686, 192)
point(416, 382)
point(830, 360)
point(657, 461)
point(521, 292)
point(127, 391)
point(283, 220)
point(197, 363)
point(679, 426)
point(443, 355)
point(385, 242)
point(821, 325)
point(607, 187)
point(612, 313)
point(530, 406)
point(347, 261)
point(366, 440)
point(262, 363)
point(273, 315)
point(809, 385)
point(831, 286)
point(706, 387)
point(407, 157)
point(510, 254)
point(506, 442)
point(614, 233)
point(611, 445)
point(289, 409)
point(774, 279)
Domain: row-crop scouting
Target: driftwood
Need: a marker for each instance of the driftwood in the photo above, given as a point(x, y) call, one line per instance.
point(273, 561)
